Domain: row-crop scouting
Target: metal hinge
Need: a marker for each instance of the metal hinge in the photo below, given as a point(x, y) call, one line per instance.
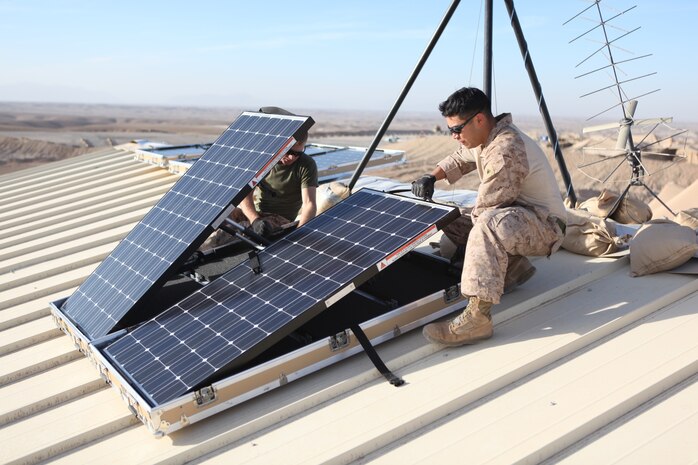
point(339, 340)
point(205, 396)
point(255, 262)
point(452, 294)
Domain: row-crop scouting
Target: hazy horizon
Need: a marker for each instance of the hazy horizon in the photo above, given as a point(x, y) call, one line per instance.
point(223, 113)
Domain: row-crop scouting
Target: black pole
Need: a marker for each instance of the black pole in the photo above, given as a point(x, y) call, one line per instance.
point(403, 94)
point(487, 62)
point(542, 107)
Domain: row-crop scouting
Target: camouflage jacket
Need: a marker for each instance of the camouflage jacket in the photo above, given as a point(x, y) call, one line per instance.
point(503, 164)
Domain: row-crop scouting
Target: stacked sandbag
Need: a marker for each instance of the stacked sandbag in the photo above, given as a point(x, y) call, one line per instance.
point(330, 194)
point(630, 210)
point(588, 234)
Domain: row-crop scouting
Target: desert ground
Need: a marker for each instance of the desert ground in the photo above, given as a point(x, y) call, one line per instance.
point(36, 133)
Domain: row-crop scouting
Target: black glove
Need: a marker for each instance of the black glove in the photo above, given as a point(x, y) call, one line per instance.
point(424, 186)
point(261, 227)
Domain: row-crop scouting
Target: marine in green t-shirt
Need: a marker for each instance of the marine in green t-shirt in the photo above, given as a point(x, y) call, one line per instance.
point(289, 188)
point(281, 190)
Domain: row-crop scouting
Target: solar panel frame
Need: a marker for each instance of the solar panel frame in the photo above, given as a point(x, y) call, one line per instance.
point(193, 318)
point(177, 225)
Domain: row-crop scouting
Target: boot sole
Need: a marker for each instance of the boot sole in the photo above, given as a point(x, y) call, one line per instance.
point(455, 343)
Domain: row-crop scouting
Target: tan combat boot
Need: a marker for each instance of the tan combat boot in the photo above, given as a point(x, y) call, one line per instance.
point(474, 324)
point(519, 270)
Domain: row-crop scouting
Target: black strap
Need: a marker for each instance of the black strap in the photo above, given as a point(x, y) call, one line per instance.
point(264, 185)
point(375, 358)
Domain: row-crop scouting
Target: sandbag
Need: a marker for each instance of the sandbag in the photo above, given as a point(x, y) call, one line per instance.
point(661, 245)
point(630, 210)
point(330, 194)
point(447, 248)
point(600, 205)
point(688, 218)
point(587, 234)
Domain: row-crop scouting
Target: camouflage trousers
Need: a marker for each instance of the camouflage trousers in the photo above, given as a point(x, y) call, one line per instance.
point(496, 235)
point(219, 237)
point(459, 229)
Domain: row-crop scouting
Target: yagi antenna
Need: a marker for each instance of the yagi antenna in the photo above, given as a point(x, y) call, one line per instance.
point(608, 46)
point(625, 149)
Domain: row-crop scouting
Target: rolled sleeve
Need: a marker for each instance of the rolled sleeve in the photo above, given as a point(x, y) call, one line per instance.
point(307, 172)
point(456, 165)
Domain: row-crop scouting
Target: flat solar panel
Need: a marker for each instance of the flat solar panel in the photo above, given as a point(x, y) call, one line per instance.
point(313, 149)
point(239, 315)
point(181, 221)
point(340, 157)
point(334, 163)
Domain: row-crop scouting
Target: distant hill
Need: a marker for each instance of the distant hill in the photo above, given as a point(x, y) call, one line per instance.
point(35, 133)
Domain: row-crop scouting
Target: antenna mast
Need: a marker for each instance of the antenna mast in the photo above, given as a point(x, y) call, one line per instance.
point(625, 147)
point(542, 106)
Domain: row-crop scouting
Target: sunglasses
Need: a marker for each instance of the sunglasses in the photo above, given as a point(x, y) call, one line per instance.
point(295, 153)
point(459, 128)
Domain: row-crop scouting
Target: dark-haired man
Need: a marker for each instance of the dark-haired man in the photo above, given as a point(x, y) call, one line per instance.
point(288, 190)
point(286, 194)
point(519, 210)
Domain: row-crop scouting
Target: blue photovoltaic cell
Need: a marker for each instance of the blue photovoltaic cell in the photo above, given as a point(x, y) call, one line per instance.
point(341, 157)
point(332, 164)
point(313, 150)
point(237, 316)
point(181, 220)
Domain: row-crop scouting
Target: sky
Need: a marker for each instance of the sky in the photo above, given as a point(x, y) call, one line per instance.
point(342, 55)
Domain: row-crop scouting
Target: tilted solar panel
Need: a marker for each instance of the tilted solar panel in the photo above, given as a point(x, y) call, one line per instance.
point(239, 315)
point(181, 221)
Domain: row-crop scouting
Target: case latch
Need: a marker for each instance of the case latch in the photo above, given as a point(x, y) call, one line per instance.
point(452, 294)
point(205, 396)
point(339, 341)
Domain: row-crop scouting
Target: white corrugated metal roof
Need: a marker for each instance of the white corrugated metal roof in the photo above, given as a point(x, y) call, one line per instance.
point(587, 365)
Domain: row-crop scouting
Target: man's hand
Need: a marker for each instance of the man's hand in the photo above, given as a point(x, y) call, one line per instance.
point(261, 227)
point(424, 186)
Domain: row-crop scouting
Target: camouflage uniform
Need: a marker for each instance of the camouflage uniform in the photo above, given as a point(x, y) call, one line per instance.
point(518, 211)
point(459, 229)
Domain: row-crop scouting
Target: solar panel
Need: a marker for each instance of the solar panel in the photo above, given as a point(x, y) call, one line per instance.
point(332, 164)
point(239, 315)
point(332, 161)
point(314, 149)
point(181, 221)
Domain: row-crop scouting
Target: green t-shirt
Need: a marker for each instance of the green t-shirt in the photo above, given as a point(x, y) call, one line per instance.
point(282, 193)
